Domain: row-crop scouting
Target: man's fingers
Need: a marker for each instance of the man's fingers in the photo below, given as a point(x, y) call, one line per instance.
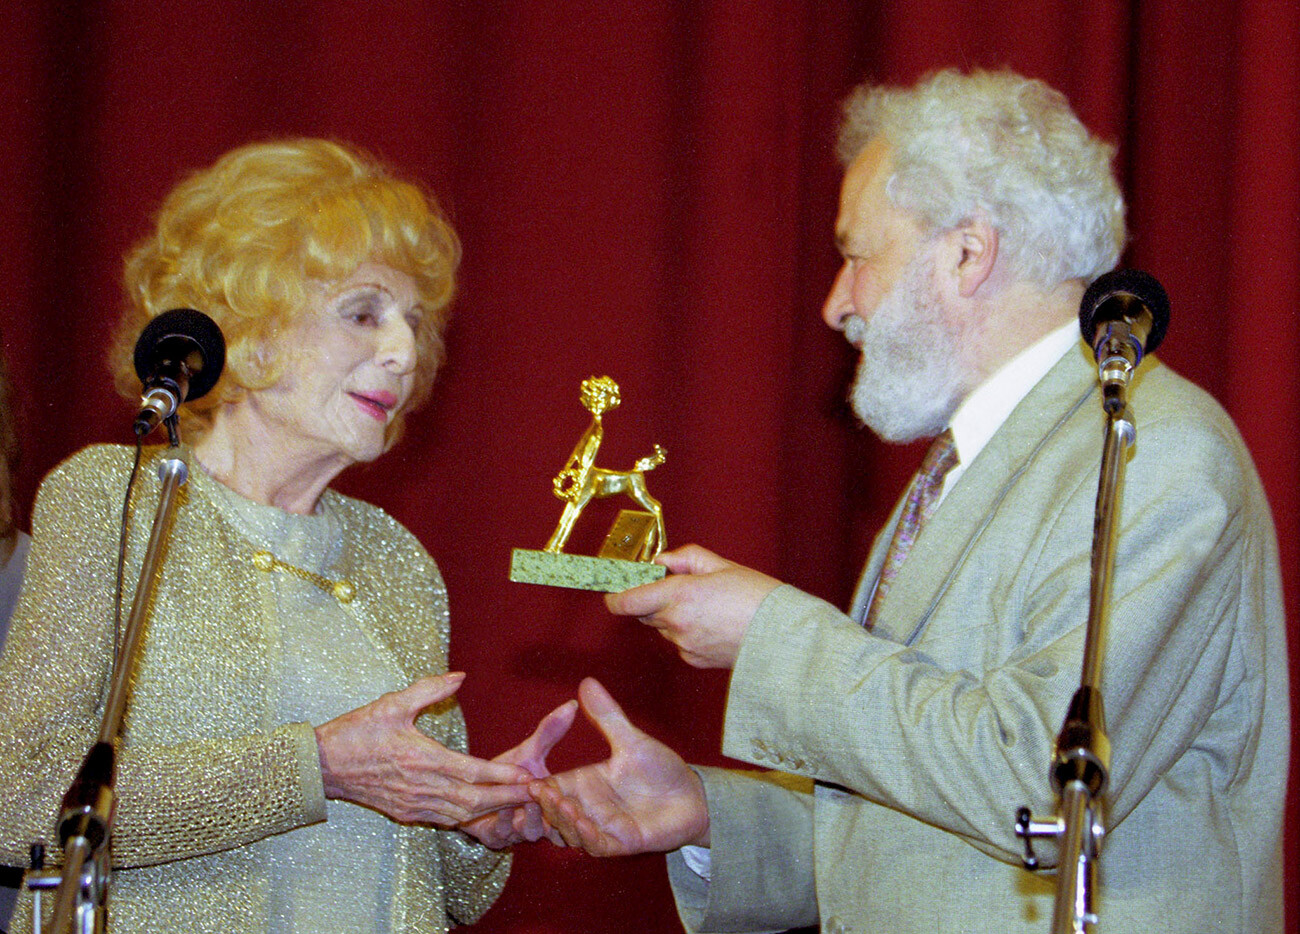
point(527, 823)
point(649, 599)
point(532, 752)
point(692, 559)
point(564, 816)
point(552, 729)
point(605, 713)
point(546, 794)
point(645, 600)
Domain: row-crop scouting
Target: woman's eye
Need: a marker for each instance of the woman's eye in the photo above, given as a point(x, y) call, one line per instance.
point(361, 310)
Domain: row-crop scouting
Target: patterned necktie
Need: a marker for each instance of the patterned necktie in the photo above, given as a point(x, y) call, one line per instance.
point(921, 499)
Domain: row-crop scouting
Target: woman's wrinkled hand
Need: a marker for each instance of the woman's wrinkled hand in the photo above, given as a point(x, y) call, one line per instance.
point(375, 756)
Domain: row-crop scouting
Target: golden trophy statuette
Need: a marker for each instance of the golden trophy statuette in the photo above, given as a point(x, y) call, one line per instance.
point(626, 558)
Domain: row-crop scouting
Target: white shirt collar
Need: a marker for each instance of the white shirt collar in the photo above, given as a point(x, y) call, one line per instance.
point(984, 411)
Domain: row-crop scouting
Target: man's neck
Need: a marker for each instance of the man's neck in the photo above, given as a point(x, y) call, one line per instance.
point(1016, 318)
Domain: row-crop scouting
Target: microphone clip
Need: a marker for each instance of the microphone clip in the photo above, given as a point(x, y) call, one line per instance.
point(161, 398)
point(1118, 351)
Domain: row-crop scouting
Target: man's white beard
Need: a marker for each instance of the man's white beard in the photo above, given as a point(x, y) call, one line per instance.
point(910, 379)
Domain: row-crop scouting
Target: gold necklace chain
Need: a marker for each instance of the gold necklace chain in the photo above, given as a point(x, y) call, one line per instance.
point(341, 590)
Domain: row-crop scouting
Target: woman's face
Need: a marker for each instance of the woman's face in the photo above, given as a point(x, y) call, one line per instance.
point(349, 368)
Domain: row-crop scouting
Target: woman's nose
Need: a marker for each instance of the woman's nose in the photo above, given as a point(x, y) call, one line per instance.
point(397, 348)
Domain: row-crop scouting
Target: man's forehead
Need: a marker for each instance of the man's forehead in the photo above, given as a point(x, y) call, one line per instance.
point(871, 166)
point(863, 189)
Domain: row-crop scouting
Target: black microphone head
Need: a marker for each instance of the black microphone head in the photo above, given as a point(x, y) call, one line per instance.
point(1115, 295)
point(182, 335)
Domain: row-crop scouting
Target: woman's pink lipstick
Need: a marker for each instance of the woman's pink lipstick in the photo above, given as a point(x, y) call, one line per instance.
point(375, 404)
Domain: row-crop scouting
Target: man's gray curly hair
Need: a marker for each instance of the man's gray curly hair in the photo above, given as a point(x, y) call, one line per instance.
point(1005, 147)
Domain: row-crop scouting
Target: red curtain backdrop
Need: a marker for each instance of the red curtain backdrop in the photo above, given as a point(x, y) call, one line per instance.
point(645, 189)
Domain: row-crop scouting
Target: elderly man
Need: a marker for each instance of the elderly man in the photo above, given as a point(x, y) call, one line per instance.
point(974, 210)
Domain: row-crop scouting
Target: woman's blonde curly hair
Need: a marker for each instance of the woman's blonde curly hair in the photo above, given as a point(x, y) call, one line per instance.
point(244, 241)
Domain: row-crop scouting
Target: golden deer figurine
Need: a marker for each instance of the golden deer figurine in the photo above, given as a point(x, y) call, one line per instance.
point(581, 480)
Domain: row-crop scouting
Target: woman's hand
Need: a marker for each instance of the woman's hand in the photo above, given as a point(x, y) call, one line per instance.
point(518, 824)
point(375, 756)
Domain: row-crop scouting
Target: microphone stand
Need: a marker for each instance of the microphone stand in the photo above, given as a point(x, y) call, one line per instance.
point(86, 822)
point(1081, 761)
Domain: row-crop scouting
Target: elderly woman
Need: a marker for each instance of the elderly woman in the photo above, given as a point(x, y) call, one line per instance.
point(281, 604)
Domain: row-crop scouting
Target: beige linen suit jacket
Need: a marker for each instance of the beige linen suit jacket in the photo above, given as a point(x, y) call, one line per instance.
point(904, 752)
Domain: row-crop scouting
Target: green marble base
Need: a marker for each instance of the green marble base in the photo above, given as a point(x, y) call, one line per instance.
point(581, 572)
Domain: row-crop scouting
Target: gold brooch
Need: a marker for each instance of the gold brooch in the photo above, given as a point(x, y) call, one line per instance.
point(342, 590)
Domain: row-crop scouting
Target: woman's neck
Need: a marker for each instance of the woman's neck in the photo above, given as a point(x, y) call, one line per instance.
point(238, 452)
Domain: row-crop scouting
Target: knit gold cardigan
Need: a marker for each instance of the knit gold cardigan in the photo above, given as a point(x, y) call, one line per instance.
point(204, 773)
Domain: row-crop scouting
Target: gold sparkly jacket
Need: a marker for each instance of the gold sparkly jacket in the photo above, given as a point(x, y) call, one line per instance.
point(205, 774)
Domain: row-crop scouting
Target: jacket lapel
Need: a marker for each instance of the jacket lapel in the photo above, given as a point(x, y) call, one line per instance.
point(956, 525)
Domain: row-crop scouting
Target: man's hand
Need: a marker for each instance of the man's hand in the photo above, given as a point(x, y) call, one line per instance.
point(703, 607)
point(642, 799)
point(525, 823)
point(375, 756)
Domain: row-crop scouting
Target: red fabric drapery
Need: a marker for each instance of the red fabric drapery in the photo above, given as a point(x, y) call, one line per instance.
point(644, 189)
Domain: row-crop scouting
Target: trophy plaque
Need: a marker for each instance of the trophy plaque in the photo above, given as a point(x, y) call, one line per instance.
point(626, 558)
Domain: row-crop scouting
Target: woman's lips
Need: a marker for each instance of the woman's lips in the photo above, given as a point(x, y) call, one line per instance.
point(375, 404)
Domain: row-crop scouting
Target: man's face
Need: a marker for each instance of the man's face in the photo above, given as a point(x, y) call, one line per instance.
point(876, 239)
point(887, 301)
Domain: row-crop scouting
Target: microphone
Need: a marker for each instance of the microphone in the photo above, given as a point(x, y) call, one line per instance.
point(178, 357)
point(1123, 316)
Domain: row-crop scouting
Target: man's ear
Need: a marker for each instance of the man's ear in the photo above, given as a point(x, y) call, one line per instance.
point(973, 253)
